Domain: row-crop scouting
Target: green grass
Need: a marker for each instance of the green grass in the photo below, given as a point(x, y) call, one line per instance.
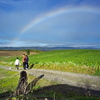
point(87, 57)
point(43, 89)
point(9, 81)
point(77, 61)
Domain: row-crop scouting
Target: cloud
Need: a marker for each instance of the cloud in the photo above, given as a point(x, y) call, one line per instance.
point(79, 23)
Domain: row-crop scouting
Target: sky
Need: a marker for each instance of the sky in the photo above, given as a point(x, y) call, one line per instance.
point(70, 23)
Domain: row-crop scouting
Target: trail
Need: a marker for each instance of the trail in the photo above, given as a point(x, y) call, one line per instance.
point(72, 79)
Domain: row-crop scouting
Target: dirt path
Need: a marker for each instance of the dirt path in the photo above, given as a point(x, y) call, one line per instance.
point(72, 79)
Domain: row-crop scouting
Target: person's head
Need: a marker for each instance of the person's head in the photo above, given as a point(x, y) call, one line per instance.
point(23, 55)
point(17, 58)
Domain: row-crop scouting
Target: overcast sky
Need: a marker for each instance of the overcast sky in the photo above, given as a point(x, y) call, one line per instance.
point(50, 23)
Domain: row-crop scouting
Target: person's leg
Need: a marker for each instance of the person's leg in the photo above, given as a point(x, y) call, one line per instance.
point(17, 67)
point(24, 65)
point(27, 65)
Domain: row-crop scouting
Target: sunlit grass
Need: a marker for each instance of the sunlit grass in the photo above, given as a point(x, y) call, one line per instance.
point(77, 61)
point(9, 81)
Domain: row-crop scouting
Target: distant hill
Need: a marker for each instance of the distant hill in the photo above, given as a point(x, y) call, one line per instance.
point(45, 48)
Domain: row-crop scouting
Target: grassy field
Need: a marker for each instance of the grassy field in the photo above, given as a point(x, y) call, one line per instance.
point(9, 80)
point(77, 61)
point(43, 89)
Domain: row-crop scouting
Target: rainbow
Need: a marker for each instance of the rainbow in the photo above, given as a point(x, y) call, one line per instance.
point(54, 13)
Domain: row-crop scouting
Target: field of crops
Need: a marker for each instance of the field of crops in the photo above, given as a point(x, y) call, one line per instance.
point(87, 57)
point(77, 61)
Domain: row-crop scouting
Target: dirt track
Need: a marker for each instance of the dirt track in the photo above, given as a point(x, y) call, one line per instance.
point(79, 80)
point(73, 79)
